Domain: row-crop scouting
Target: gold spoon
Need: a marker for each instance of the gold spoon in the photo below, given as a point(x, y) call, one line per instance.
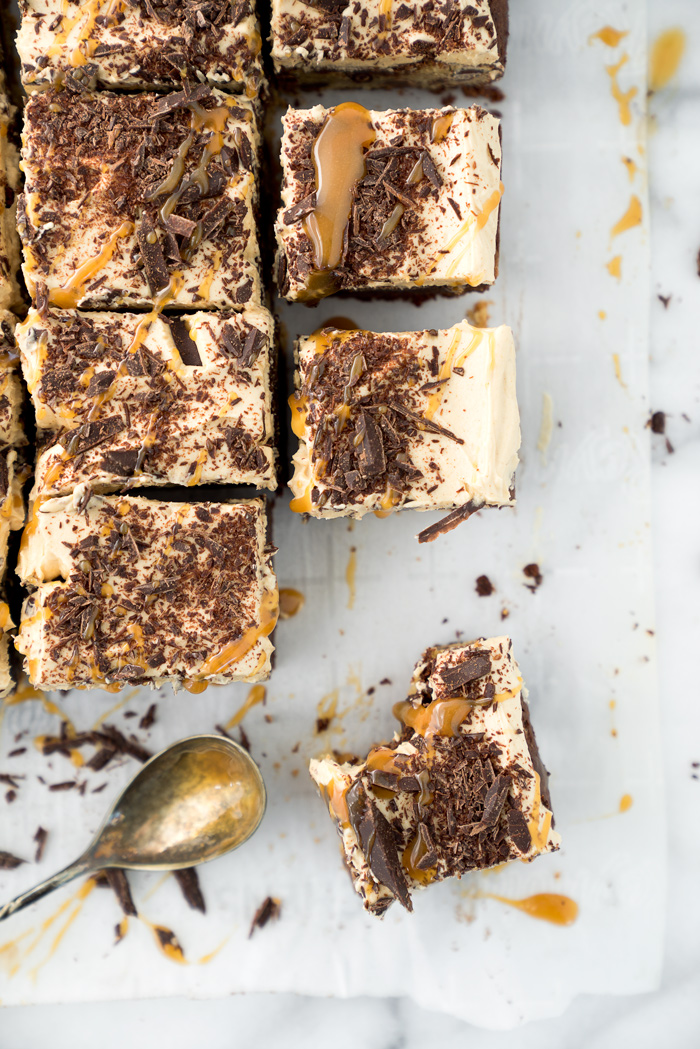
point(196, 800)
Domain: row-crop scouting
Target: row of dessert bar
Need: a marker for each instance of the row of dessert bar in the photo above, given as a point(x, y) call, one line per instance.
point(13, 440)
point(158, 44)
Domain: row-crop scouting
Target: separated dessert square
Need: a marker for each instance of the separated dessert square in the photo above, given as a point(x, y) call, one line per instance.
point(12, 477)
point(460, 788)
point(380, 43)
point(130, 591)
point(12, 433)
point(10, 296)
point(140, 200)
point(388, 200)
point(125, 399)
point(416, 420)
point(140, 44)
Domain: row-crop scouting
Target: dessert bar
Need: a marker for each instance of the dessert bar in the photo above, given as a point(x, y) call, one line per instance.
point(380, 43)
point(12, 477)
point(140, 44)
point(402, 199)
point(417, 420)
point(137, 591)
point(460, 788)
point(126, 399)
point(9, 182)
point(138, 200)
point(11, 429)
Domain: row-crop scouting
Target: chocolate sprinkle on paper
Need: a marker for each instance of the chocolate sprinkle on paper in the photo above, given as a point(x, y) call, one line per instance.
point(8, 862)
point(269, 910)
point(40, 839)
point(188, 880)
point(449, 523)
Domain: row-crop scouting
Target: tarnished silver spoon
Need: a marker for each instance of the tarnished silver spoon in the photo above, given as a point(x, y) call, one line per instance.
point(196, 800)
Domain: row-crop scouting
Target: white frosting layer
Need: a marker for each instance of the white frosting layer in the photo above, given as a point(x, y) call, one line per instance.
point(451, 238)
point(190, 424)
point(129, 46)
point(503, 725)
point(476, 403)
point(205, 615)
point(380, 37)
point(89, 254)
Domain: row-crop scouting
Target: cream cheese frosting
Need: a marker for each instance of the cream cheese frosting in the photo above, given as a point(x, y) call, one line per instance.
point(416, 420)
point(124, 400)
point(140, 200)
point(461, 787)
point(138, 44)
point(459, 41)
point(137, 591)
point(422, 211)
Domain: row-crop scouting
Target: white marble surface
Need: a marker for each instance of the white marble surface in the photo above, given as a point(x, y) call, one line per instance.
point(670, 1016)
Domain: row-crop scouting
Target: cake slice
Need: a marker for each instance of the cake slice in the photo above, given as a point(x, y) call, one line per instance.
point(129, 399)
point(422, 420)
point(387, 200)
point(12, 433)
point(135, 591)
point(460, 788)
point(9, 182)
point(379, 43)
point(140, 200)
point(141, 44)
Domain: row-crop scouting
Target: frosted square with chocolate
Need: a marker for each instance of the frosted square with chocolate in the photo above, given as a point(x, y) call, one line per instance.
point(10, 296)
point(460, 788)
point(140, 200)
point(415, 420)
point(136, 591)
point(140, 44)
point(125, 399)
point(388, 200)
point(385, 42)
point(11, 398)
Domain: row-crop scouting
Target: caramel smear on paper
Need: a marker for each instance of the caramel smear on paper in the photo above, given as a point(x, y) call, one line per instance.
point(631, 218)
point(614, 267)
point(291, 602)
point(666, 55)
point(626, 802)
point(623, 98)
point(545, 906)
point(609, 36)
point(350, 573)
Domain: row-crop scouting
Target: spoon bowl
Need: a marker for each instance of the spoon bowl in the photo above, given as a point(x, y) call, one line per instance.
point(198, 799)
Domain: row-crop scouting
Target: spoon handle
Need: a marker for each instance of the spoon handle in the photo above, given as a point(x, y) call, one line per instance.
point(81, 866)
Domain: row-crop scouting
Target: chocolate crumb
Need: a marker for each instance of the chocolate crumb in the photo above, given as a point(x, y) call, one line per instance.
point(657, 422)
point(188, 880)
point(8, 862)
point(269, 910)
point(484, 586)
point(532, 571)
point(40, 839)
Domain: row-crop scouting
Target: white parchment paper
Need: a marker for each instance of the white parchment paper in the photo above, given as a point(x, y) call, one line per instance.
point(584, 638)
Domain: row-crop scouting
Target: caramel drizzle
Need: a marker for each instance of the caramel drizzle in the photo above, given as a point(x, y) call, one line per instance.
point(449, 364)
point(339, 164)
point(68, 297)
point(442, 717)
point(234, 651)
